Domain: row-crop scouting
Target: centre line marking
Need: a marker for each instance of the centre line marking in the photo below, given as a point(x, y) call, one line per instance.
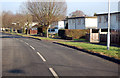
point(53, 72)
point(26, 43)
point(41, 57)
point(32, 47)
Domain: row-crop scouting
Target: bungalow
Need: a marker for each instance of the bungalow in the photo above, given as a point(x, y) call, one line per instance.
point(82, 22)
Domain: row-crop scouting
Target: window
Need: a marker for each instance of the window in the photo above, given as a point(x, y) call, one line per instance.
point(116, 18)
point(105, 19)
point(99, 19)
point(119, 17)
point(73, 21)
point(79, 21)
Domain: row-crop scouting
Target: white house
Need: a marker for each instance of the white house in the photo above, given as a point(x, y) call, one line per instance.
point(56, 26)
point(103, 21)
point(82, 22)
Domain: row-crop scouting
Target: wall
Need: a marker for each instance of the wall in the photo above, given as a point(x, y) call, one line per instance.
point(61, 25)
point(90, 22)
point(33, 31)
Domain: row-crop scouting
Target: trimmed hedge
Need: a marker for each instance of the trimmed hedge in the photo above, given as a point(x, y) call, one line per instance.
point(72, 33)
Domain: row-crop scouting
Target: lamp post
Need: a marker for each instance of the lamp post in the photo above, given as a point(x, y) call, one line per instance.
point(108, 35)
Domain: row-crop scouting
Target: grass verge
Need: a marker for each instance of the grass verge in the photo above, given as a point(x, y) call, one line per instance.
point(113, 52)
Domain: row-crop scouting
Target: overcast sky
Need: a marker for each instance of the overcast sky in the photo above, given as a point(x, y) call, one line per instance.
point(89, 7)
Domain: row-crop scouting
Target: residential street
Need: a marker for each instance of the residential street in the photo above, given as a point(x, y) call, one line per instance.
point(29, 57)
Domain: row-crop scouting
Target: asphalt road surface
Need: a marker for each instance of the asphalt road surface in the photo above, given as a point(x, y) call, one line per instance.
point(29, 57)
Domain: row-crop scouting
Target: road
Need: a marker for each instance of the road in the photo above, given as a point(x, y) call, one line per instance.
point(29, 57)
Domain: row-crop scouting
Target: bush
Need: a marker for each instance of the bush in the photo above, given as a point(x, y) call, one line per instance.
point(72, 33)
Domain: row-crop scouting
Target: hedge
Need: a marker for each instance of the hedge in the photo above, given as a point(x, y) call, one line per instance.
point(72, 33)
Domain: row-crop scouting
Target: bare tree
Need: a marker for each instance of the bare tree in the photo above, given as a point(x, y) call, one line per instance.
point(77, 13)
point(7, 19)
point(28, 18)
point(47, 12)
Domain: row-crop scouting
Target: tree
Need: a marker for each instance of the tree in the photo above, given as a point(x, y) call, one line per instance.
point(77, 13)
point(28, 18)
point(7, 19)
point(47, 12)
point(95, 14)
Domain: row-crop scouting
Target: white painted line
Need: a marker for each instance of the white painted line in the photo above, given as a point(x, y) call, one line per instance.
point(41, 57)
point(32, 47)
point(26, 43)
point(53, 72)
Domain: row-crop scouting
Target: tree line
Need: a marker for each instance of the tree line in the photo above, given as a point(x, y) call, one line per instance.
point(45, 13)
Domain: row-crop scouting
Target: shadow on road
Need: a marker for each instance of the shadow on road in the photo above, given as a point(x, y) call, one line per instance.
point(16, 71)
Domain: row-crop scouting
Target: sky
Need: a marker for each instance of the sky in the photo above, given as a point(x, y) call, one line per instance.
point(89, 7)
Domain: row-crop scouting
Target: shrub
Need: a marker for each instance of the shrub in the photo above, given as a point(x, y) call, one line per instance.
point(73, 33)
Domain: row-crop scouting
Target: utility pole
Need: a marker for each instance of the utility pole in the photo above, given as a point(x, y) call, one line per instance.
point(108, 35)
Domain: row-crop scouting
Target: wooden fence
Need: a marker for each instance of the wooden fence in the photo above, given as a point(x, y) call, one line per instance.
point(115, 37)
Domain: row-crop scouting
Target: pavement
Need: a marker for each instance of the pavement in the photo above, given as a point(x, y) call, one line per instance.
point(23, 56)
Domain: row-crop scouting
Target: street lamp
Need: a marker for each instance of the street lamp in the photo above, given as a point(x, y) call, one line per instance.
point(108, 35)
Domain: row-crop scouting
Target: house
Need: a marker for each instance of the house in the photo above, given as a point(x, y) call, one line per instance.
point(33, 28)
point(114, 26)
point(82, 22)
point(114, 22)
point(54, 27)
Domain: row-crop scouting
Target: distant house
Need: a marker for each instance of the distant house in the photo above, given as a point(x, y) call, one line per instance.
point(82, 22)
point(103, 21)
point(33, 28)
point(56, 26)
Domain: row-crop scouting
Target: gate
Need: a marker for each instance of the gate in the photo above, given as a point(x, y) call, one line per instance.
point(94, 36)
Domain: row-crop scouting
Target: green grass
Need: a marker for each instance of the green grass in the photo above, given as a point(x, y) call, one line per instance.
point(84, 40)
point(113, 52)
point(24, 35)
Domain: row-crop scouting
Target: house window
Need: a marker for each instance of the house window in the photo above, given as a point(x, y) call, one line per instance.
point(73, 21)
point(79, 21)
point(105, 19)
point(116, 18)
point(119, 17)
point(99, 19)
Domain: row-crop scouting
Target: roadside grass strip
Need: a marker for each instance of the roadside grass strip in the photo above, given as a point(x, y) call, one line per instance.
point(113, 52)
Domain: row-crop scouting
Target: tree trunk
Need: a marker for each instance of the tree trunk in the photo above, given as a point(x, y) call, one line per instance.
point(47, 33)
point(27, 31)
point(16, 30)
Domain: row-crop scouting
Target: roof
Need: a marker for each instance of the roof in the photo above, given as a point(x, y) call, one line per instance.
point(83, 17)
point(107, 13)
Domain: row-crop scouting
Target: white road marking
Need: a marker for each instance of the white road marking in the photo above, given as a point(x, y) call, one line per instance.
point(32, 47)
point(41, 57)
point(26, 43)
point(53, 72)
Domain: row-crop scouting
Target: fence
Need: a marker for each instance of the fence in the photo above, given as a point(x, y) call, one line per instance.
point(115, 37)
